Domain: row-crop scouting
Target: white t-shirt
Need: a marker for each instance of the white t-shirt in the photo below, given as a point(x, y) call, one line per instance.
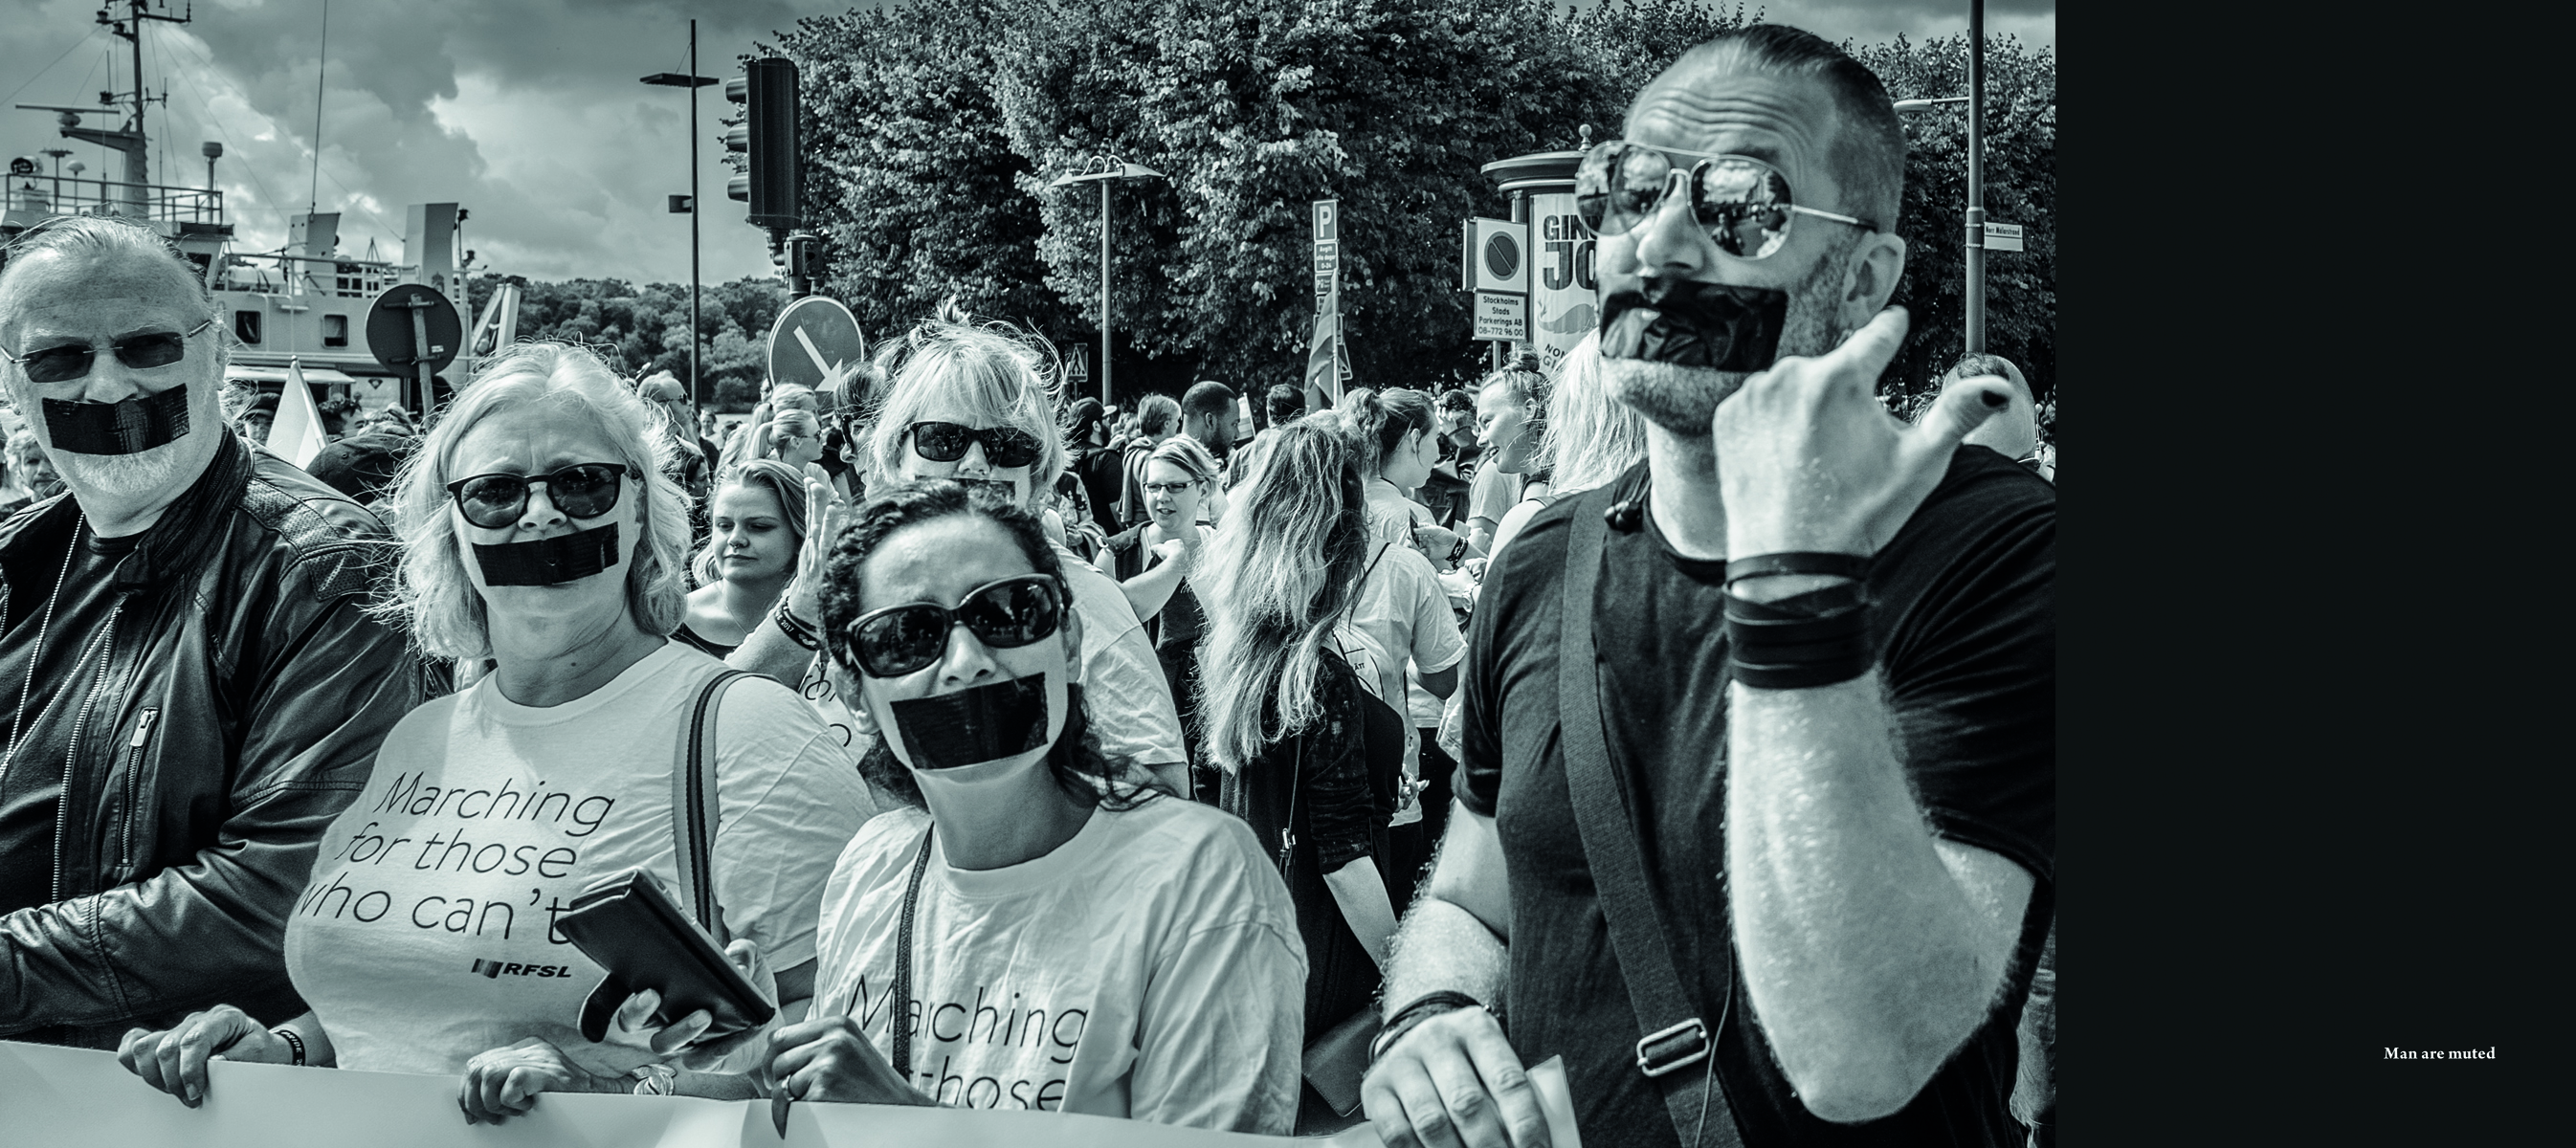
point(1402, 605)
point(426, 933)
point(1149, 968)
point(1133, 721)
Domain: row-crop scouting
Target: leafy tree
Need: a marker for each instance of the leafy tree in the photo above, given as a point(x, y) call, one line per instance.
point(2020, 186)
point(640, 330)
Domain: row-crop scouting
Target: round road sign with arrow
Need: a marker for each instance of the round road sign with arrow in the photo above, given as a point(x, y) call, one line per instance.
point(407, 315)
point(813, 337)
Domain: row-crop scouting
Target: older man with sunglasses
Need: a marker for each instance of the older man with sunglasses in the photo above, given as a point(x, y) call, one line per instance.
point(193, 687)
point(1757, 800)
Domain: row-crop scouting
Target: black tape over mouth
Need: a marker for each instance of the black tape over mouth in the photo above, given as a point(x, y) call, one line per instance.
point(1688, 323)
point(971, 726)
point(548, 561)
point(131, 426)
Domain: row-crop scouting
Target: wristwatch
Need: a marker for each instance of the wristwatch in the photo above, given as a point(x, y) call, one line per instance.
point(655, 1080)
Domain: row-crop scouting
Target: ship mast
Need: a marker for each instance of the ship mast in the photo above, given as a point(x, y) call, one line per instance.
point(132, 141)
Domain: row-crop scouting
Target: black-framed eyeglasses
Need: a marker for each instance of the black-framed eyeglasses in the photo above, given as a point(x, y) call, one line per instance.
point(1004, 614)
point(1744, 204)
point(139, 352)
point(1170, 487)
point(947, 442)
point(583, 490)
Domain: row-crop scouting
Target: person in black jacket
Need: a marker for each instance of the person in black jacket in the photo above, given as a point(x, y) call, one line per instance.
point(193, 686)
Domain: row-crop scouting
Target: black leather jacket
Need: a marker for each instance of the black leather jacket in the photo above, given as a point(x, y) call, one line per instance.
point(237, 626)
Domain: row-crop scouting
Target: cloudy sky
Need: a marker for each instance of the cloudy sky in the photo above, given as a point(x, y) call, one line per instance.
point(527, 112)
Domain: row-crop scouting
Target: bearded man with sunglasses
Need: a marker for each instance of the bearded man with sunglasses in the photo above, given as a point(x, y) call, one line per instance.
point(193, 686)
point(1756, 794)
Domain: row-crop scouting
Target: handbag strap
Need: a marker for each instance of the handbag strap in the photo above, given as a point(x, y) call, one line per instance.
point(693, 806)
point(1675, 1037)
point(902, 1059)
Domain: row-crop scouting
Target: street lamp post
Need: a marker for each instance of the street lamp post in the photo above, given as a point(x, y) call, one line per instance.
point(1976, 222)
point(1109, 169)
point(692, 81)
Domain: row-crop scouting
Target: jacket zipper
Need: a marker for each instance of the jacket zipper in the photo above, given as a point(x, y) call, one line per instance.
point(133, 784)
point(71, 759)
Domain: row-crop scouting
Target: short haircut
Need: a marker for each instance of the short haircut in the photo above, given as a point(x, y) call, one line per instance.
point(992, 373)
point(1285, 403)
point(1158, 415)
point(1208, 399)
point(1868, 145)
point(1185, 452)
point(433, 592)
point(77, 234)
point(1976, 363)
point(1457, 399)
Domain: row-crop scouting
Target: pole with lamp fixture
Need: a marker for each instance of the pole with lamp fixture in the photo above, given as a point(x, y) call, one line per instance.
point(1976, 222)
point(692, 81)
point(1105, 170)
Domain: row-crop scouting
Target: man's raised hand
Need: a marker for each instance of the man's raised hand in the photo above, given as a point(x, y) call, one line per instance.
point(1807, 459)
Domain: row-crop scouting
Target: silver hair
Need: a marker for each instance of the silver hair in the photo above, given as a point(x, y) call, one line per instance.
point(434, 596)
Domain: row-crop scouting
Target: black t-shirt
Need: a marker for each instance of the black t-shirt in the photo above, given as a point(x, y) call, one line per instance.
point(31, 781)
point(1965, 623)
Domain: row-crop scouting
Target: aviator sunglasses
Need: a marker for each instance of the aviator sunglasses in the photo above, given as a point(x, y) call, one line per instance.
point(494, 501)
point(1004, 614)
point(1004, 447)
point(139, 352)
point(1742, 202)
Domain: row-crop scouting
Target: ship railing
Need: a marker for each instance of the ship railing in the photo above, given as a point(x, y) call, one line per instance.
point(81, 195)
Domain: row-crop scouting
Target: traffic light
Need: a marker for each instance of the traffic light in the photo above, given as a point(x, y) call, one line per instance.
point(767, 139)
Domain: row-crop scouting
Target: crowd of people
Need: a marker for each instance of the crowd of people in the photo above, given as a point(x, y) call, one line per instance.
point(1672, 708)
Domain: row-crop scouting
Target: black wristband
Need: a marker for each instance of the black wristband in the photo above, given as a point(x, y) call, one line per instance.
point(1816, 639)
point(1416, 1011)
point(293, 1042)
point(1797, 562)
point(795, 628)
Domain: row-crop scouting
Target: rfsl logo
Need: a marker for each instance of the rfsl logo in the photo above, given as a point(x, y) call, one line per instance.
point(496, 968)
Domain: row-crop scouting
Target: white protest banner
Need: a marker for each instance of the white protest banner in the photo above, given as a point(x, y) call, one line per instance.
point(52, 1095)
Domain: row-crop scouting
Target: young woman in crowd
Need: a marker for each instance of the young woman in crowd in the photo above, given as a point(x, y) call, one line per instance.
point(758, 517)
point(795, 438)
point(1280, 693)
point(1154, 564)
point(1398, 437)
point(1506, 404)
point(1075, 943)
point(543, 542)
point(1402, 605)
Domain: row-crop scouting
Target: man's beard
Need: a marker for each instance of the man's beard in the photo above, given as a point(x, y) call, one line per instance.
point(1683, 400)
point(127, 476)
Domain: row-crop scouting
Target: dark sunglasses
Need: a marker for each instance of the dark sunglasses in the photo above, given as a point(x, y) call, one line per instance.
point(947, 442)
point(586, 490)
point(60, 364)
point(1004, 614)
point(1743, 202)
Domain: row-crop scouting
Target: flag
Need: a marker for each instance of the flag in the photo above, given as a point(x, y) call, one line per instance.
point(1323, 355)
point(296, 433)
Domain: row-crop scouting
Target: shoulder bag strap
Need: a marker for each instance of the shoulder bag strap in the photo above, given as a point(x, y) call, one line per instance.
point(693, 806)
point(1675, 1036)
point(902, 1058)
